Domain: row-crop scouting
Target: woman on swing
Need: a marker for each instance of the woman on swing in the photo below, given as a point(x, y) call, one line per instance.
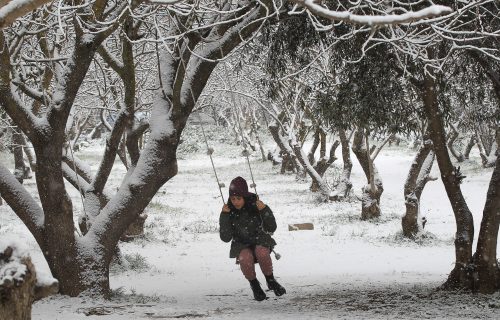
point(248, 222)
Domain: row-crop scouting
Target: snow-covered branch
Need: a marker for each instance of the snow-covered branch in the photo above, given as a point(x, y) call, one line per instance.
point(372, 20)
point(17, 8)
point(21, 201)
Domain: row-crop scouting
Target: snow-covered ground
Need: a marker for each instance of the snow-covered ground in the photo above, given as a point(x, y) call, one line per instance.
point(344, 269)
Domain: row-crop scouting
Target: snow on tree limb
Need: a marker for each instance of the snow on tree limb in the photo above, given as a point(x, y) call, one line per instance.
point(163, 2)
point(21, 201)
point(17, 8)
point(372, 20)
point(73, 178)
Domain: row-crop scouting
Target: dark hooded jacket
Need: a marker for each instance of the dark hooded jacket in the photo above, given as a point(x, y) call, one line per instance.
point(247, 227)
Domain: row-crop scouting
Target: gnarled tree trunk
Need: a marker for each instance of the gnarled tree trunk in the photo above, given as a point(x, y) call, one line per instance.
point(461, 276)
point(417, 178)
point(317, 179)
point(290, 161)
point(485, 258)
point(451, 144)
point(372, 191)
point(344, 187)
point(21, 170)
point(469, 146)
point(19, 287)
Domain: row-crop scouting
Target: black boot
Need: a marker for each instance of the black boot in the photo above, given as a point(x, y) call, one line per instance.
point(272, 284)
point(258, 293)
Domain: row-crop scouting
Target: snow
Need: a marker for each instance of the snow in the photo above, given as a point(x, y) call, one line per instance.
point(318, 9)
point(12, 8)
point(32, 209)
point(12, 270)
point(343, 269)
point(160, 123)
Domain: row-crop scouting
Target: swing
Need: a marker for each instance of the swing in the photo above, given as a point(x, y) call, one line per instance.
point(210, 150)
point(221, 185)
point(246, 153)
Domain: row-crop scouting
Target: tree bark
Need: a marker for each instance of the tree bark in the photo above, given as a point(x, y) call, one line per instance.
point(317, 179)
point(485, 258)
point(17, 287)
point(460, 276)
point(468, 148)
point(290, 161)
point(324, 163)
point(451, 144)
point(372, 191)
point(314, 147)
point(417, 178)
point(488, 155)
point(17, 150)
point(345, 184)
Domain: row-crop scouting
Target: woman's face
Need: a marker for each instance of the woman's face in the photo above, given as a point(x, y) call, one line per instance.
point(237, 201)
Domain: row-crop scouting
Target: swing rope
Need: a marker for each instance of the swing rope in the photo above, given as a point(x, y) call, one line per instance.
point(246, 153)
point(210, 151)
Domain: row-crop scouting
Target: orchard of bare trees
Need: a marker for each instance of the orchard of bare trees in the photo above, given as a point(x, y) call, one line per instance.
point(352, 77)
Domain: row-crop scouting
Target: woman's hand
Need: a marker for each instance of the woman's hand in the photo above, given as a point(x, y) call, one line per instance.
point(225, 209)
point(260, 205)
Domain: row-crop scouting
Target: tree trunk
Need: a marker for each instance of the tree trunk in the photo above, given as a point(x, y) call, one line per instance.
point(17, 286)
point(488, 158)
point(17, 150)
point(415, 182)
point(451, 144)
point(257, 137)
point(323, 163)
point(59, 247)
point(460, 276)
point(317, 179)
point(310, 155)
point(485, 258)
point(345, 184)
point(370, 202)
point(468, 148)
point(31, 162)
point(290, 161)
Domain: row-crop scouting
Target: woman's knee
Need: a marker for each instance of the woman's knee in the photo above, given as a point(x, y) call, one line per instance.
point(246, 256)
point(262, 252)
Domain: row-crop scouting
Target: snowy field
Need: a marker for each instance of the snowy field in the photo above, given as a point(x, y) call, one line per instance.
point(344, 269)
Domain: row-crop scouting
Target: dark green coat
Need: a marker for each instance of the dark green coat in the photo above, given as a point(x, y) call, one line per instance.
point(247, 227)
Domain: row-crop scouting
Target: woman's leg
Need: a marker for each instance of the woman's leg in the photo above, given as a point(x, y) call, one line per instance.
point(247, 266)
point(263, 256)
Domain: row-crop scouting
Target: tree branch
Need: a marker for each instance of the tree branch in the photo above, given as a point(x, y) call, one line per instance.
point(372, 20)
point(15, 9)
point(22, 203)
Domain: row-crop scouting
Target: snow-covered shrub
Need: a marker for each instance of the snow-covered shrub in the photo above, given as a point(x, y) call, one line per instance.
point(424, 238)
point(130, 262)
point(202, 227)
point(329, 231)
